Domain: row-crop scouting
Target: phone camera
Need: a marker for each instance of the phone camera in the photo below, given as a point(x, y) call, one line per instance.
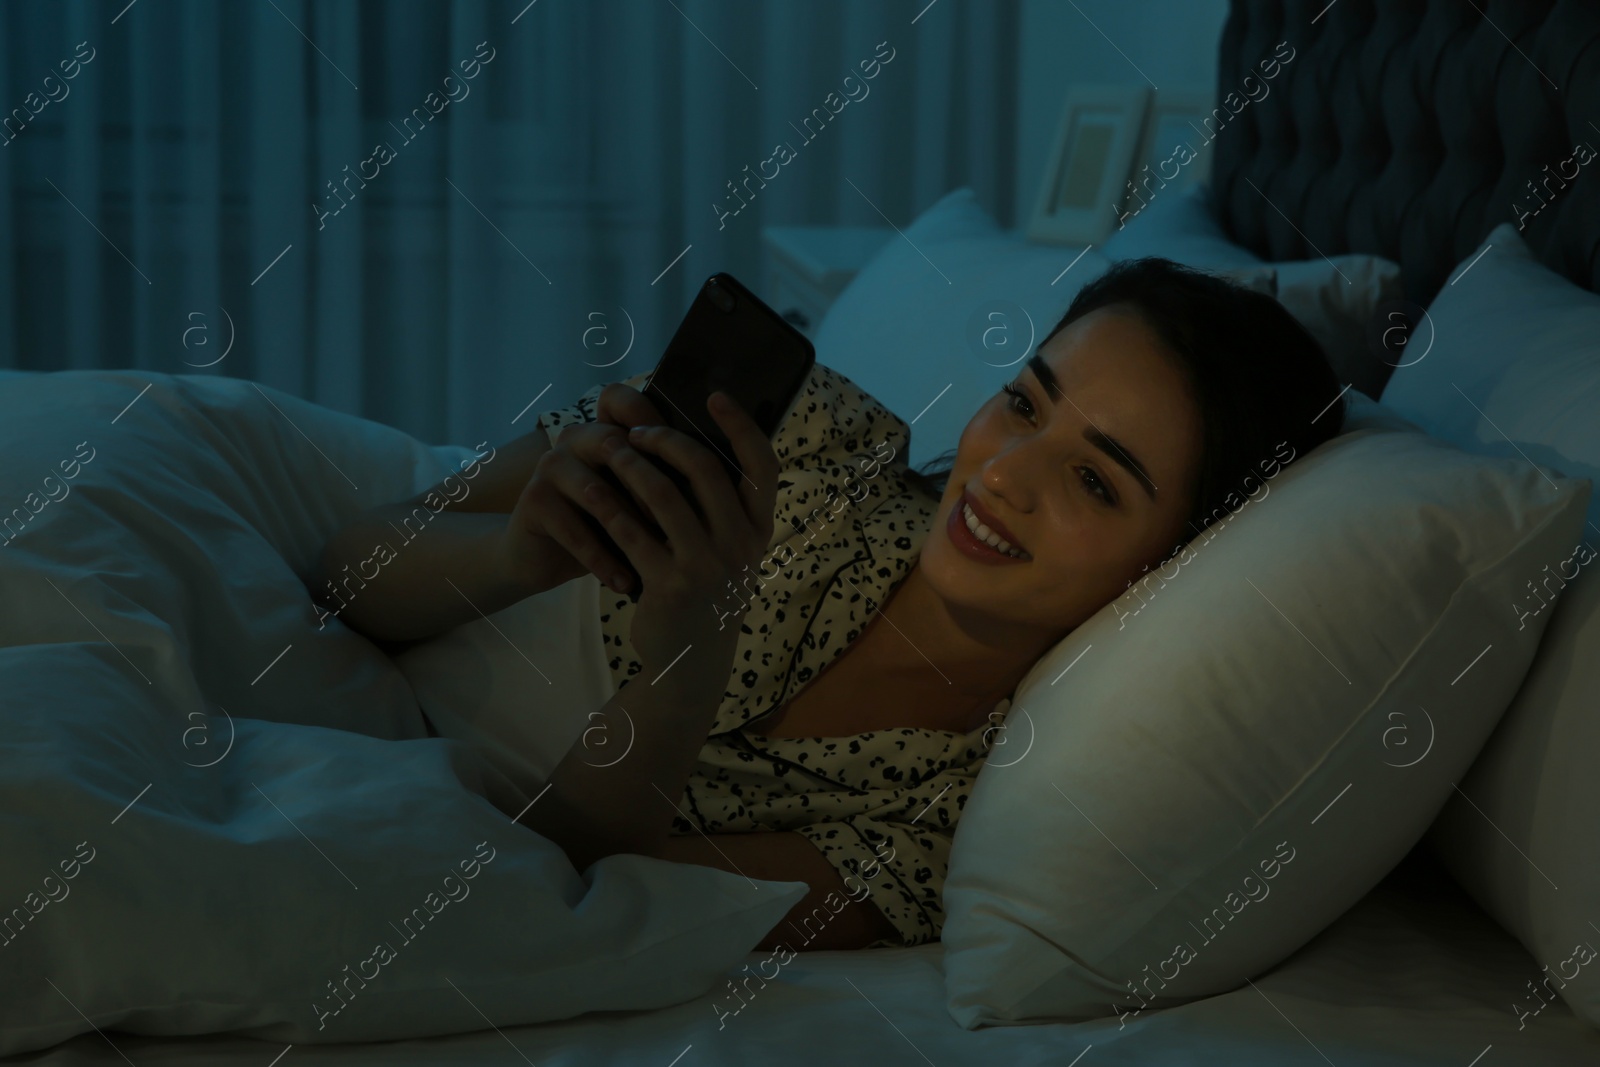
point(719, 296)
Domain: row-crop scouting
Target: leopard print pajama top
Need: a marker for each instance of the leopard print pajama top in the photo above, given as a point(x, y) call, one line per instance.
point(849, 523)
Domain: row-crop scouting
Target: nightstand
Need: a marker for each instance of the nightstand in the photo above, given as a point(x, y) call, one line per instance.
point(807, 267)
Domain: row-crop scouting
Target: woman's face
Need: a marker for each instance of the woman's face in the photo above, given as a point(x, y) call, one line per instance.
point(1093, 474)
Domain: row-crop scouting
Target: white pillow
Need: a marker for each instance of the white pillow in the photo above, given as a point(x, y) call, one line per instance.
point(1180, 227)
point(946, 314)
point(1335, 298)
point(1517, 352)
point(1220, 774)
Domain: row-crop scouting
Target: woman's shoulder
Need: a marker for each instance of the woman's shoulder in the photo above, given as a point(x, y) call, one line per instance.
point(832, 414)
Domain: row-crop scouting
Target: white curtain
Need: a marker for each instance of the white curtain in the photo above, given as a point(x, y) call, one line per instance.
point(178, 192)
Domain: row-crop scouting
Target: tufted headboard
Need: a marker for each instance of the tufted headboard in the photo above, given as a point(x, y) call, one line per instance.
point(1410, 129)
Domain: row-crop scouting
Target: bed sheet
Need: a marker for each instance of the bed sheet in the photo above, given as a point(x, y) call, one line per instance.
point(1415, 974)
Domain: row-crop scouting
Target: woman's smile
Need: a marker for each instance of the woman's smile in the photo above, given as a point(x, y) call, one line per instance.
point(979, 535)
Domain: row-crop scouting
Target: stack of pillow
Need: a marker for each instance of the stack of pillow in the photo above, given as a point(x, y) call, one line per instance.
point(1515, 372)
point(1200, 778)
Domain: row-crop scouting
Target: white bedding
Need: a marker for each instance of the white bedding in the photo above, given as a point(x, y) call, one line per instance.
point(476, 682)
point(1412, 975)
point(207, 903)
point(219, 810)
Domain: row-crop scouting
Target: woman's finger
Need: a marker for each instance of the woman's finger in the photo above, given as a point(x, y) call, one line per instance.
point(551, 513)
point(588, 445)
point(719, 500)
point(587, 441)
point(753, 452)
point(663, 500)
point(623, 405)
point(649, 556)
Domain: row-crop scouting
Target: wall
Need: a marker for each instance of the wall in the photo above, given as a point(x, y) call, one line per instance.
point(1172, 42)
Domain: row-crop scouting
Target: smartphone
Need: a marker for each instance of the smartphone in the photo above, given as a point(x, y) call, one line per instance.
point(729, 340)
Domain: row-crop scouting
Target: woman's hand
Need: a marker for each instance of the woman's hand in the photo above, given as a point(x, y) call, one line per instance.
point(547, 542)
point(599, 810)
point(686, 576)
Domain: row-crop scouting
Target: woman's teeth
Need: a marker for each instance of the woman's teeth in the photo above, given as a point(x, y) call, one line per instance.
point(988, 536)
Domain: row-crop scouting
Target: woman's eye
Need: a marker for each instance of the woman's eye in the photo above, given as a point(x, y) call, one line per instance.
point(1095, 485)
point(1017, 396)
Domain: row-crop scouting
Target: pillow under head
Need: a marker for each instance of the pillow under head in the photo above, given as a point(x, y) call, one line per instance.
point(1214, 767)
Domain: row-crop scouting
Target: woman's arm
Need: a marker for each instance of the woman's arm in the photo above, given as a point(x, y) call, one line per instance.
point(831, 915)
point(406, 571)
point(594, 808)
point(415, 568)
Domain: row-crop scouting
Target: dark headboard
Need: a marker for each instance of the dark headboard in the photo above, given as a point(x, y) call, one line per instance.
point(1410, 129)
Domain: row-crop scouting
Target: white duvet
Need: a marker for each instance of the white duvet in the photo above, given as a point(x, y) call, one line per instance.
point(218, 814)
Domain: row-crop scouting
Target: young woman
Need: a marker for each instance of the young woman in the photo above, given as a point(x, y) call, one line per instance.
point(816, 669)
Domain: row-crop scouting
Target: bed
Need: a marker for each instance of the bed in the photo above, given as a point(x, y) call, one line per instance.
point(1402, 130)
point(1414, 975)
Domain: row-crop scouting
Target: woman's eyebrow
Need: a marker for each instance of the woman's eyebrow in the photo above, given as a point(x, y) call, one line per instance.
point(1094, 435)
point(1122, 457)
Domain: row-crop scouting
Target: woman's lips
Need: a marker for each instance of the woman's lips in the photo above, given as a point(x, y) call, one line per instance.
point(967, 543)
point(988, 519)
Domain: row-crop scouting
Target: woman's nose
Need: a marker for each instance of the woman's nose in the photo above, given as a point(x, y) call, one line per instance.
point(1013, 471)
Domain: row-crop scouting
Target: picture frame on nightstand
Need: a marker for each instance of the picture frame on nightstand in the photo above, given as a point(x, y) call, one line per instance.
point(1086, 172)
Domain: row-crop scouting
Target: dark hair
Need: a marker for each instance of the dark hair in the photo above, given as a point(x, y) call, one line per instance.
point(1259, 377)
